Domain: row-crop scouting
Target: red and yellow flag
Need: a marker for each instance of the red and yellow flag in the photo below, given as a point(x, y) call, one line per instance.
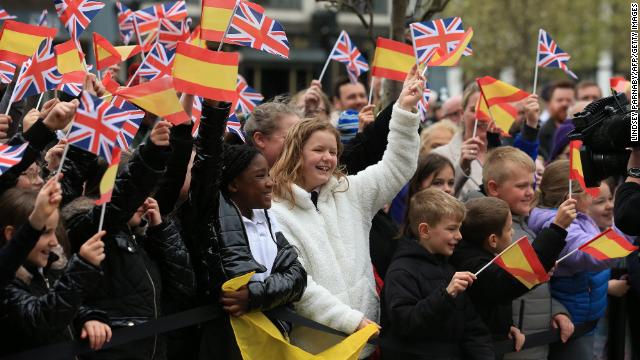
point(68, 57)
point(109, 178)
point(619, 84)
point(158, 97)
point(608, 245)
point(107, 54)
point(504, 115)
point(499, 92)
point(109, 83)
point(521, 261)
point(575, 169)
point(18, 41)
point(215, 18)
point(191, 62)
point(452, 58)
point(392, 60)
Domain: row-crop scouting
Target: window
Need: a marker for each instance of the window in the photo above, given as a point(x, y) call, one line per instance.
point(281, 4)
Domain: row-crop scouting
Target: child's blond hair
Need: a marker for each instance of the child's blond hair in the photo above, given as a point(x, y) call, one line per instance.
point(495, 164)
point(431, 206)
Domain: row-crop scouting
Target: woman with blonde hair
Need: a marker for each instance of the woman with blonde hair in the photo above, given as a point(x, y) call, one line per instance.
point(327, 216)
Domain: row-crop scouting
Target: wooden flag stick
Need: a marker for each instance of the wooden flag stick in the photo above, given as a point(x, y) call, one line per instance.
point(371, 90)
point(569, 254)
point(102, 211)
point(39, 101)
point(66, 149)
point(570, 188)
point(535, 74)
point(496, 257)
point(228, 25)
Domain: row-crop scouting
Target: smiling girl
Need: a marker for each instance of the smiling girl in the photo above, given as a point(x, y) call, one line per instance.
point(327, 215)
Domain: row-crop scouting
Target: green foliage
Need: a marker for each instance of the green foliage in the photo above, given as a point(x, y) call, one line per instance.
point(505, 34)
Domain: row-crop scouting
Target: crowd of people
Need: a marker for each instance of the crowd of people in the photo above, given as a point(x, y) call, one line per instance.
point(349, 213)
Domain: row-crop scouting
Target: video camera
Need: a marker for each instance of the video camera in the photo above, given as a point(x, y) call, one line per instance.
point(605, 130)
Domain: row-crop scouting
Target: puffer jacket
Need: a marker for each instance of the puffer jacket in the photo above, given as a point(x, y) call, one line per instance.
point(579, 282)
point(139, 269)
point(495, 289)
point(42, 308)
point(38, 136)
point(219, 242)
point(417, 311)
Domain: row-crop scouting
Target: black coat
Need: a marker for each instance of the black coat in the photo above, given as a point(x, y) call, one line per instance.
point(219, 242)
point(139, 270)
point(41, 310)
point(495, 289)
point(627, 208)
point(418, 312)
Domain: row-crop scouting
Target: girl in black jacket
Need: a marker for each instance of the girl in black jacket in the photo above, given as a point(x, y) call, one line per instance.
point(235, 235)
point(40, 306)
point(143, 266)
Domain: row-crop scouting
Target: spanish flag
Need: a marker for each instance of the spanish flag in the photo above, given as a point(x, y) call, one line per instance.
point(18, 41)
point(392, 60)
point(109, 83)
point(68, 57)
point(499, 92)
point(608, 245)
point(109, 178)
point(452, 58)
point(503, 115)
point(619, 84)
point(259, 338)
point(206, 73)
point(575, 169)
point(521, 261)
point(158, 97)
point(215, 18)
point(107, 54)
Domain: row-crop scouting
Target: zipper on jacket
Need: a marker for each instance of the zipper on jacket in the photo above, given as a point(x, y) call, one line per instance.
point(155, 311)
point(46, 283)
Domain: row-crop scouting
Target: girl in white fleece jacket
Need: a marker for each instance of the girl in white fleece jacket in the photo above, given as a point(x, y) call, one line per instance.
point(327, 215)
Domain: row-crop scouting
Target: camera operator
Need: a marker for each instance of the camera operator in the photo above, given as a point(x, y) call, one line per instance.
point(627, 203)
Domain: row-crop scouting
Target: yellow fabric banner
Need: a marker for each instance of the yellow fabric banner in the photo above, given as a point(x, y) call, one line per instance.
point(259, 339)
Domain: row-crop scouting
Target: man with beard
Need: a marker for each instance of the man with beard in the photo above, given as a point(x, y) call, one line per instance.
point(562, 97)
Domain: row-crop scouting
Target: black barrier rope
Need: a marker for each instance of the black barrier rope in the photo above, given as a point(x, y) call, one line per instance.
point(69, 349)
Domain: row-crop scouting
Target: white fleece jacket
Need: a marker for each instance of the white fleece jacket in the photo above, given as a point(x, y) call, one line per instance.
point(333, 241)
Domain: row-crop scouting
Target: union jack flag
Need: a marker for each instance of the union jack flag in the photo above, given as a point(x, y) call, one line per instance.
point(550, 54)
point(4, 15)
point(72, 83)
point(11, 155)
point(174, 11)
point(234, 126)
point(7, 70)
point(42, 20)
point(96, 126)
point(423, 104)
point(77, 14)
point(146, 28)
point(196, 114)
point(38, 74)
point(130, 126)
point(442, 35)
point(158, 63)
point(347, 53)
point(171, 32)
point(125, 22)
point(248, 97)
point(250, 27)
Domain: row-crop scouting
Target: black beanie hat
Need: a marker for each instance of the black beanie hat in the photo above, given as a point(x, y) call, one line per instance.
point(235, 158)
